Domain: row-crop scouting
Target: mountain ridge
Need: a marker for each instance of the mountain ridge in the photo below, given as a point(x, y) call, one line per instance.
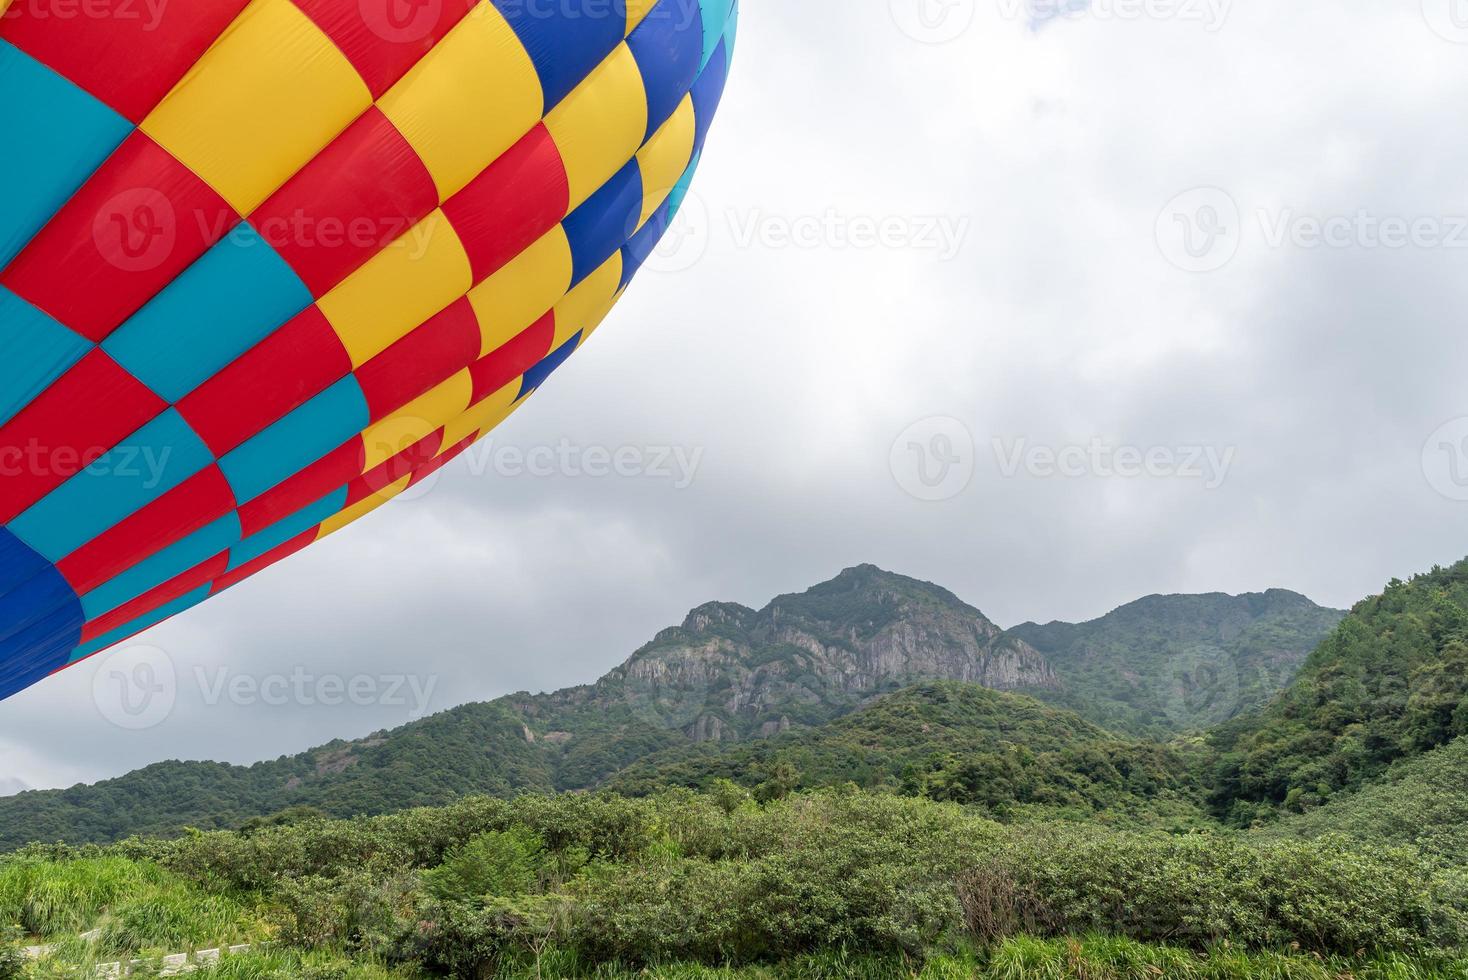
point(725, 675)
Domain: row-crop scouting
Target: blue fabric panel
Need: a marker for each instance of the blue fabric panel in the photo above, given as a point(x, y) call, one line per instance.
point(139, 470)
point(536, 376)
point(708, 91)
point(35, 350)
point(235, 296)
point(56, 136)
point(566, 41)
point(18, 563)
point(38, 651)
point(668, 46)
point(40, 616)
point(177, 558)
point(286, 528)
point(604, 223)
point(644, 242)
point(296, 441)
point(141, 623)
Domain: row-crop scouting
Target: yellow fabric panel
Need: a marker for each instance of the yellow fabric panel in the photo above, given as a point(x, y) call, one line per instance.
point(664, 159)
point(482, 417)
point(416, 420)
point(362, 507)
point(399, 288)
point(468, 101)
point(3, 5)
point(600, 125)
point(521, 293)
point(585, 305)
point(637, 10)
point(266, 98)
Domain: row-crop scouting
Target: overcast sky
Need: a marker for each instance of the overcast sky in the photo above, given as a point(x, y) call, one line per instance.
point(1057, 309)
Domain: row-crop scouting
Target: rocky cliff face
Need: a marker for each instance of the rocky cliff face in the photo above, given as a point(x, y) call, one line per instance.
point(730, 672)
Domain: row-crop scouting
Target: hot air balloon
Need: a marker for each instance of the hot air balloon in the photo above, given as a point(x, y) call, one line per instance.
point(265, 264)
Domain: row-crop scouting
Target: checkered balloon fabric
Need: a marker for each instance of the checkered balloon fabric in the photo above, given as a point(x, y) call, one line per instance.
point(265, 264)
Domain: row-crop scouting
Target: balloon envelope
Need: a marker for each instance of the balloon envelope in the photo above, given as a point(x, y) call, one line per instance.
point(265, 264)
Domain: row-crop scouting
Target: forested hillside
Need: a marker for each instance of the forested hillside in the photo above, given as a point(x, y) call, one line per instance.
point(1422, 801)
point(1004, 753)
point(1389, 683)
point(1169, 664)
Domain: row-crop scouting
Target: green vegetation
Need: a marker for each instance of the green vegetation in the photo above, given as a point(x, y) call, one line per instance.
point(755, 812)
point(1390, 683)
point(1421, 801)
point(1169, 664)
point(835, 884)
point(1010, 755)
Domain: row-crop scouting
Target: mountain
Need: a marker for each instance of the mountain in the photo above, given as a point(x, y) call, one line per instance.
point(725, 679)
point(947, 741)
point(727, 674)
point(1389, 684)
point(1169, 664)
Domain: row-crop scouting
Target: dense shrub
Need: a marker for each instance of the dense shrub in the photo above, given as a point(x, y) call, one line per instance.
point(474, 889)
point(1326, 895)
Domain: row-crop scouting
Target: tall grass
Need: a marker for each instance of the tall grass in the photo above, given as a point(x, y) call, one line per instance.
point(125, 906)
point(52, 899)
point(1113, 958)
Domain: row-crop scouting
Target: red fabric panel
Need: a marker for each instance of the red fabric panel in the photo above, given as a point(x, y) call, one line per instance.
point(128, 53)
point(202, 498)
point(84, 413)
point(432, 353)
point(278, 553)
point(358, 196)
point(498, 368)
point(390, 471)
point(384, 38)
point(335, 469)
point(442, 460)
point(141, 220)
point(180, 584)
point(515, 201)
point(267, 382)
